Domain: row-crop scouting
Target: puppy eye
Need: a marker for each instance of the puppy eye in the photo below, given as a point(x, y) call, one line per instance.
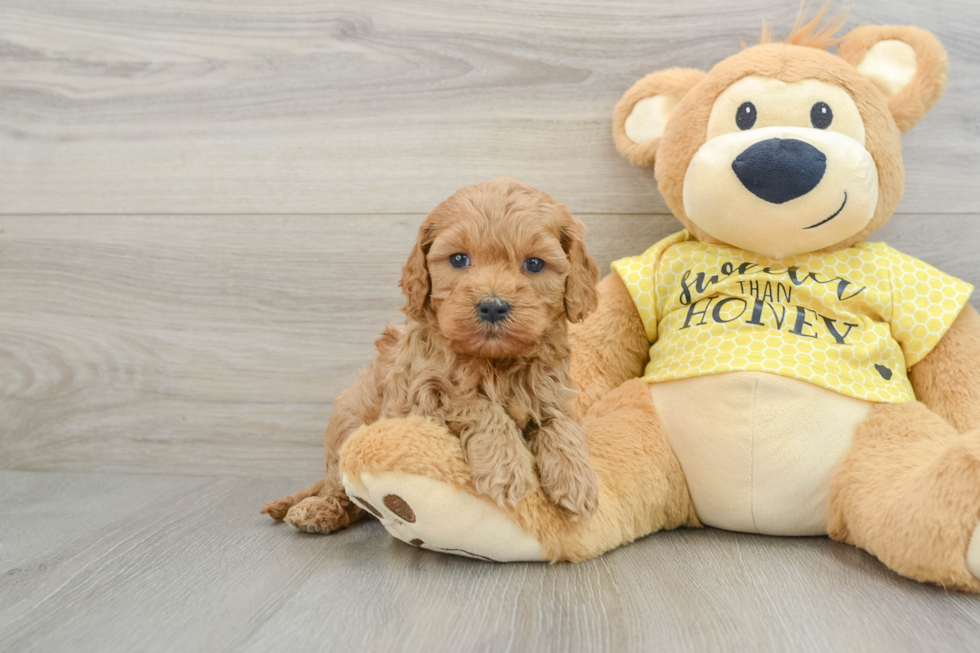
point(533, 265)
point(459, 261)
point(745, 116)
point(821, 116)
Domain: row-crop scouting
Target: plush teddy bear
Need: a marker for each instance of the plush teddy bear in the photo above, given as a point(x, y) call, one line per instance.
point(768, 369)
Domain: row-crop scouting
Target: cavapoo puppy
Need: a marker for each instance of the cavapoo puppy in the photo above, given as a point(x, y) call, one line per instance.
point(497, 273)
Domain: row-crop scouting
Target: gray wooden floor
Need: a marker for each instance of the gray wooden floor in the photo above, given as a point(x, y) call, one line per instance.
point(204, 208)
point(100, 562)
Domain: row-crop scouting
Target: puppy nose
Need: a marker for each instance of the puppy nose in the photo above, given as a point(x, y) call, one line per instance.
point(492, 310)
point(778, 170)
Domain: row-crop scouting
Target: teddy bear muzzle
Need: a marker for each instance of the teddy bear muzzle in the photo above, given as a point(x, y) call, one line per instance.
point(778, 170)
point(781, 191)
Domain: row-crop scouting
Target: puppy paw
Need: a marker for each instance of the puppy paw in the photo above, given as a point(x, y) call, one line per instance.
point(506, 480)
point(277, 509)
point(318, 515)
point(570, 482)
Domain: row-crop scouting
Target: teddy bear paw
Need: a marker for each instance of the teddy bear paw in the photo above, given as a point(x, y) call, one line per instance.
point(438, 516)
point(973, 553)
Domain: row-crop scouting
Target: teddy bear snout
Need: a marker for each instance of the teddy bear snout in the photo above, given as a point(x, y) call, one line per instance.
point(778, 170)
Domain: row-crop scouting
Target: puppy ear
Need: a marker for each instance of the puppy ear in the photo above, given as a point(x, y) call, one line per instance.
point(415, 275)
point(907, 64)
point(640, 117)
point(581, 293)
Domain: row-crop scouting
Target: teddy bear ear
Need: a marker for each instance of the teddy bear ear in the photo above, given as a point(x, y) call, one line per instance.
point(640, 117)
point(907, 64)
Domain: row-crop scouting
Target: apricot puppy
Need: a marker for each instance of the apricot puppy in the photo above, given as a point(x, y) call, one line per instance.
point(497, 273)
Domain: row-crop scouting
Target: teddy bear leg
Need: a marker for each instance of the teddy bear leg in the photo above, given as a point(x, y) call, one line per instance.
point(642, 487)
point(411, 474)
point(908, 492)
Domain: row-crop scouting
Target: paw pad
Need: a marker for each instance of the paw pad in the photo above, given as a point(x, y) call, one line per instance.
point(400, 507)
point(367, 506)
point(434, 515)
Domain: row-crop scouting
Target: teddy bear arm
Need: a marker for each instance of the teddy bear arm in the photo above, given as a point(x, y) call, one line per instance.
point(947, 380)
point(610, 347)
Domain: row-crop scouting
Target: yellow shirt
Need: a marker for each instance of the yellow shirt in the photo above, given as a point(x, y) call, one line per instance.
point(852, 321)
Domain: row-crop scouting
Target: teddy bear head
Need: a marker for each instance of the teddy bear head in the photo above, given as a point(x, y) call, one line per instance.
point(786, 148)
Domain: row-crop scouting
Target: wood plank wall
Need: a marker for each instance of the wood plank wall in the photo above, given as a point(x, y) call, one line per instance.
point(204, 208)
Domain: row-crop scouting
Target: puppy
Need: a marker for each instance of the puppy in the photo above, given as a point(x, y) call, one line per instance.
point(497, 273)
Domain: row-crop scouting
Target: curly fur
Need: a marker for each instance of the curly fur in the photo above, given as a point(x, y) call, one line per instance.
point(496, 386)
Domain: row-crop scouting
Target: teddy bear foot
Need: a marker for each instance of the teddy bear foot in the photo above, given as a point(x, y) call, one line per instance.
point(433, 515)
point(973, 553)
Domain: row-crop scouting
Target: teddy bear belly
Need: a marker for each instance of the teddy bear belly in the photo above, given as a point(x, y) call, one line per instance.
point(758, 450)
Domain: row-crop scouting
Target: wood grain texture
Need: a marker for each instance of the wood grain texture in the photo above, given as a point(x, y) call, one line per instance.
point(214, 344)
point(281, 106)
point(204, 209)
point(126, 563)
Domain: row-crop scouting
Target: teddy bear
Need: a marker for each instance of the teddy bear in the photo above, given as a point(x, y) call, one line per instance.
point(767, 369)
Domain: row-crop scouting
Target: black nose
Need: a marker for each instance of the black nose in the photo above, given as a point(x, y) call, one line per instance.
point(492, 310)
point(780, 169)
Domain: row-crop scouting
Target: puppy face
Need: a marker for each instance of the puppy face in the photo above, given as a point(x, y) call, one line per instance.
point(499, 264)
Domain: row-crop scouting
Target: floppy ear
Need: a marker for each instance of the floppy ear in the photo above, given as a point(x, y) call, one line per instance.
point(581, 294)
point(640, 117)
point(415, 275)
point(907, 64)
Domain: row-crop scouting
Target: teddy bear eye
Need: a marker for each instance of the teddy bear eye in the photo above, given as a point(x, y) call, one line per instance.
point(459, 261)
point(821, 116)
point(745, 116)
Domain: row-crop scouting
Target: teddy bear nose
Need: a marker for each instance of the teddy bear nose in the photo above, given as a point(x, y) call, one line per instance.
point(492, 310)
point(778, 170)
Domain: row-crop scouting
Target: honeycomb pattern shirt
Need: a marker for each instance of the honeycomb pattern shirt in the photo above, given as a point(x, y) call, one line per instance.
point(853, 321)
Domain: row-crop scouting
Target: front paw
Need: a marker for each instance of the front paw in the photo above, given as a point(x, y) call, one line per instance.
point(570, 482)
point(504, 478)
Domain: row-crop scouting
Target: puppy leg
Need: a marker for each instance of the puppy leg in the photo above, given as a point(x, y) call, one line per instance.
point(563, 463)
point(277, 509)
point(494, 448)
point(324, 507)
point(328, 511)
